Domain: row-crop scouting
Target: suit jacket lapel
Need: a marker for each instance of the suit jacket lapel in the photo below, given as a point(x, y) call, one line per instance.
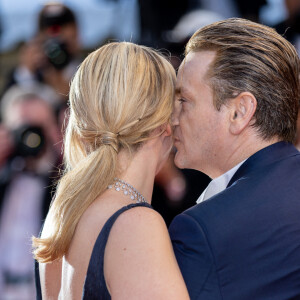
point(263, 158)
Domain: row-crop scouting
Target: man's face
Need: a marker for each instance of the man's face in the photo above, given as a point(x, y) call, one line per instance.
point(199, 128)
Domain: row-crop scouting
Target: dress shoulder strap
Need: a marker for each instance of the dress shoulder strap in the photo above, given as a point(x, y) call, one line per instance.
point(94, 285)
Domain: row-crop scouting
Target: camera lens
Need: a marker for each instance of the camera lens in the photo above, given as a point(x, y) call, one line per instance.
point(29, 141)
point(32, 139)
point(56, 52)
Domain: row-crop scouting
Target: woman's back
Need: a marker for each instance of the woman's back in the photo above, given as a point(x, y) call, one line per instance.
point(147, 230)
point(66, 276)
point(76, 261)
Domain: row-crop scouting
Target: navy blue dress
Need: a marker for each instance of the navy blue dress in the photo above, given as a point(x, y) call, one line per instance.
point(94, 285)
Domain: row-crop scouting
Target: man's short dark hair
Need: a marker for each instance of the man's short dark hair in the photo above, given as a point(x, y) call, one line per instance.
point(55, 14)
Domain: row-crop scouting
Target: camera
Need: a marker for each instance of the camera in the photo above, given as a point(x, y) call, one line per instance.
point(57, 53)
point(52, 19)
point(29, 141)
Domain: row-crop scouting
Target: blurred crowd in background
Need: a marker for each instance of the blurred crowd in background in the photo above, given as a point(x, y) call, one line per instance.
point(40, 51)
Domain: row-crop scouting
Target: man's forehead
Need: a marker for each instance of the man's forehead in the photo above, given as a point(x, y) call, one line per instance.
point(183, 76)
point(199, 60)
point(179, 89)
point(182, 82)
point(194, 67)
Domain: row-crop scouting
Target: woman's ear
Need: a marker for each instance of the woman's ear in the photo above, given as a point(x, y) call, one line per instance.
point(243, 108)
point(168, 129)
point(163, 130)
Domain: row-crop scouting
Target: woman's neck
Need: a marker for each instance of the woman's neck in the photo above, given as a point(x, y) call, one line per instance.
point(139, 171)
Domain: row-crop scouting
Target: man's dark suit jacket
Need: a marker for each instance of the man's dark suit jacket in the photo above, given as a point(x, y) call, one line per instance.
point(244, 243)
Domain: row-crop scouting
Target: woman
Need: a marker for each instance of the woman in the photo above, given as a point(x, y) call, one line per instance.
point(101, 239)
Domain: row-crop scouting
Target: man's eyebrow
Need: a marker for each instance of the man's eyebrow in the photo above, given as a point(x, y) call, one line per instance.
point(177, 90)
point(181, 90)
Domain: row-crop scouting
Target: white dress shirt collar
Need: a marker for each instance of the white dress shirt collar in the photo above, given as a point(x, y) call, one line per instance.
point(218, 184)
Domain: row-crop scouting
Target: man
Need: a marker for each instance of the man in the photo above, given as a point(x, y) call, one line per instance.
point(52, 56)
point(235, 117)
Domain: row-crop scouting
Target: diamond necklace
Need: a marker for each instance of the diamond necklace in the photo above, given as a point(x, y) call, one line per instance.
point(127, 189)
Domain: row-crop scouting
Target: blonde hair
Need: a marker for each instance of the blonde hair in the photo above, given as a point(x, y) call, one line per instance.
point(119, 95)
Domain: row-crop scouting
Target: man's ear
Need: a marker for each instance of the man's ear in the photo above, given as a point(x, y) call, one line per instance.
point(243, 108)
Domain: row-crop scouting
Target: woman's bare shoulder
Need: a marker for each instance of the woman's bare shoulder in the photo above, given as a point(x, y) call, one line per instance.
point(139, 256)
point(139, 226)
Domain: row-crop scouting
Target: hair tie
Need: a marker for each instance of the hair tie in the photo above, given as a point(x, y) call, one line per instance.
point(110, 139)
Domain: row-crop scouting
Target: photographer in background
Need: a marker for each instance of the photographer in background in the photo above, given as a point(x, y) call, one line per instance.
point(52, 56)
point(30, 143)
